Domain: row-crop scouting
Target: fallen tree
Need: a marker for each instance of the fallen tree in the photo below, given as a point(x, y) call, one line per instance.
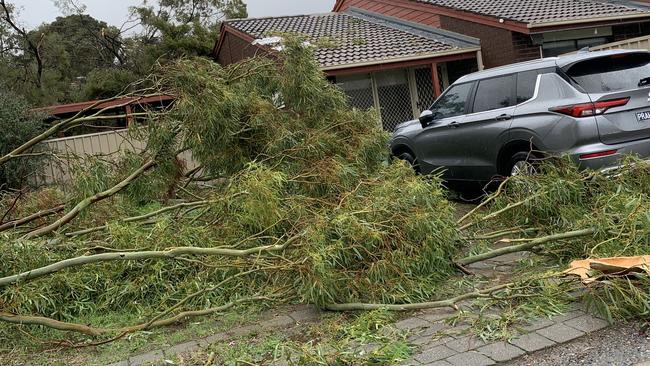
point(308, 208)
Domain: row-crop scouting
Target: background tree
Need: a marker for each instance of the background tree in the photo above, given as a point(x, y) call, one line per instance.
point(18, 125)
point(176, 28)
point(78, 57)
point(30, 44)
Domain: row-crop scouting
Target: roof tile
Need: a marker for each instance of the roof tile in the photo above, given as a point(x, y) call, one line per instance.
point(539, 12)
point(352, 38)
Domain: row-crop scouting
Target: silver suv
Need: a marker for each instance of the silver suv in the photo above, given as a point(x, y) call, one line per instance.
point(593, 106)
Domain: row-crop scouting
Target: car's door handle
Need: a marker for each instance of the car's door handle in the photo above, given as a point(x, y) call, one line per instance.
point(504, 117)
point(453, 125)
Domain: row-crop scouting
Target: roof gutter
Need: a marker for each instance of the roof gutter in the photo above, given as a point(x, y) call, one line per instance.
point(587, 20)
point(401, 59)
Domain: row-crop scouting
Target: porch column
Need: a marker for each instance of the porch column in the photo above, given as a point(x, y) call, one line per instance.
point(435, 80)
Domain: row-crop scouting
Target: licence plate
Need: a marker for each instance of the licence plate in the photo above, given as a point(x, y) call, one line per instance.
point(643, 116)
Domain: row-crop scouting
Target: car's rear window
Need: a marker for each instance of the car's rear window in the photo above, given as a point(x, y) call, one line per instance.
point(612, 73)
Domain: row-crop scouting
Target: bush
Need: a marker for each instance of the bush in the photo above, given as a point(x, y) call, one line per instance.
point(18, 124)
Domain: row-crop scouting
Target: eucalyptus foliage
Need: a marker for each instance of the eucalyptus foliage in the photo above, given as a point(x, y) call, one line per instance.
point(297, 162)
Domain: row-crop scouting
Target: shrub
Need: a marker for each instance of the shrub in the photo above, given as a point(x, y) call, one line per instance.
point(18, 124)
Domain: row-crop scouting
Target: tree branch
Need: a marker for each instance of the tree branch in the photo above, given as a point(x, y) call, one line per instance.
point(141, 218)
point(524, 247)
point(172, 253)
point(89, 201)
point(26, 220)
point(449, 303)
point(94, 332)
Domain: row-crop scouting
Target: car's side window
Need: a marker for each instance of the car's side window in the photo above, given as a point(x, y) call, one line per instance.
point(526, 83)
point(494, 93)
point(453, 102)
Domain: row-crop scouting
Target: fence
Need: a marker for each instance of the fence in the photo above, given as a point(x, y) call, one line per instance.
point(69, 151)
point(642, 43)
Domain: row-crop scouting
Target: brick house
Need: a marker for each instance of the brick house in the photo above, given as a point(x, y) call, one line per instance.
point(399, 55)
point(393, 65)
point(519, 30)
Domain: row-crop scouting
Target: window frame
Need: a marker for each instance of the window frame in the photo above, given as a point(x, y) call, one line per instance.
point(513, 92)
point(468, 100)
point(542, 71)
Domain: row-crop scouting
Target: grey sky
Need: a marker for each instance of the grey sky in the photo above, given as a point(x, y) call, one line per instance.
point(115, 12)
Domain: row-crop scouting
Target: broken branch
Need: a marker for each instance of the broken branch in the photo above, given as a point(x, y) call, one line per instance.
point(524, 247)
point(89, 201)
point(137, 256)
point(417, 306)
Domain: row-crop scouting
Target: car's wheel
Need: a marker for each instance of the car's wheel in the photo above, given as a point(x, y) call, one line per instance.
point(409, 158)
point(521, 163)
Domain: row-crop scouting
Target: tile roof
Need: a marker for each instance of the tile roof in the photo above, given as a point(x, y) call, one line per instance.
point(357, 37)
point(538, 12)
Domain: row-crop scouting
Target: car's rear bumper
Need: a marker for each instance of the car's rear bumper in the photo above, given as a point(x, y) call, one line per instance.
point(639, 148)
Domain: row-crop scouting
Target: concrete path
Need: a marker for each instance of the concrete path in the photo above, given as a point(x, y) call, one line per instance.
point(437, 343)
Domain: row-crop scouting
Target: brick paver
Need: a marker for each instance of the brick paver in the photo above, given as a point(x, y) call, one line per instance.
point(587, 323)
point(434, 354)
point(411, 323)
point(465, 344)
point(560, 333)
point(569, 315)
point(440, 363)
point(470, 358)
point(501, 351)
point(532, 342)
point(183, 348)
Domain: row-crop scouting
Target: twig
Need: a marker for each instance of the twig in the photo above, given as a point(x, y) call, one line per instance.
point(141, 218)
point(449, 303)
point(484, 203)
point(26, 220)
point(524, 247)
point(13, 205)
point(89, 201)
point(194, 295)
point(497, 213)
point(210, 360)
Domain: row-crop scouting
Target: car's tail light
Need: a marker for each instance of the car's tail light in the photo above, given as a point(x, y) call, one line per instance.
point(590, 109)
point(599, 154)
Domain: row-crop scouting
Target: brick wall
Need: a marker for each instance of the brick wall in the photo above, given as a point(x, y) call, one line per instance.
point(403, 9)
point(496, 44)
point(524, 48)
point(235, 49)
point(499, 46)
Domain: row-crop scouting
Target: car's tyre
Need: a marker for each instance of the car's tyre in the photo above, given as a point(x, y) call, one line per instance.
point(409, 158)
point(521, 163)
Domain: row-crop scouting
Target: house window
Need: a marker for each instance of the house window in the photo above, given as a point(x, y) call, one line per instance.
point(557, 48)
point(394, 95)
point(358, 89)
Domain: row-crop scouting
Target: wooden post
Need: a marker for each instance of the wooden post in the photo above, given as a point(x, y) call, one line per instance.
point(437, 90)
point(129, 117)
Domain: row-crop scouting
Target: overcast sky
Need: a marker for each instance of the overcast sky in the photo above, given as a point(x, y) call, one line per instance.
point(115, 12)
